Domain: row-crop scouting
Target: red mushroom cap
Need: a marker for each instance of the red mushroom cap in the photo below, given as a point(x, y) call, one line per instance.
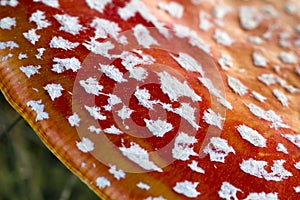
point(160, 99)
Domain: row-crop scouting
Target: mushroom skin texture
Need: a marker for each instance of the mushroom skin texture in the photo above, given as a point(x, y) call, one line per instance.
point(161, 100)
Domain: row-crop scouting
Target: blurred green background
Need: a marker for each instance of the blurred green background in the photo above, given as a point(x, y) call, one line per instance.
point(28, 170)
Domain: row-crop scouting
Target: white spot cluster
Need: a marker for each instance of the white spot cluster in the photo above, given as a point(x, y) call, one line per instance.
point(158, 127)
point(218, 149)
point(257, 168)
point(185, 111)
point(173, 8)
point(297, 165)
point(205, 24)
point(39, 18)
point(281, 97)
point(228, 191)
point(187, 188)
point(291, 8)
point(138, 73)
point(105, 28)
point(30, 70)
point(94, 129)
point(297, 189)
point(91, 86)
point(85, 145)
point(38, 107)
point(255, 40)
point(225, 61)
point(220, 11)
point(135, 6)
point(130, 9)
point(188, 63)
point(194, 40)
point(259, 60)
point(118, 174)
point(222, 38)
point(258, 96)
point(31, 36)
point(143, 186)
point(269, 11)
point(183, 148)
point(12, 3)
point(288, 57)
point(102, 182)
point(252, 136)
point(7, 23)
point(95, 112)
point(294, 138)
point(143, 96)
point(262, 196)
point(291, 89)
point(139, 156)
point(99, 48)
point(131, 60)
point(143, 36)
point(54, 90)
point(212, 118)
point(74, 120)
point(61, 43)
point(40, 53)
point(268, 115)
point(194, 166)
point(113, 130)
point(51, 3)
point(281, 148)
point(22, 56)
point(249, 17)
point(112, 100)
point(268, 79)
point(62, 64)
point(4, 58)
point(9, 44)
point(237, 86)
point(175, 89)
point(125, 112)
point(69, 23)
point(97, 5)
point(113, 73)
point(283, 41)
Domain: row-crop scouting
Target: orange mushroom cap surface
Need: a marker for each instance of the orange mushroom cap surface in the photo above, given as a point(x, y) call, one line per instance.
point(161, 99)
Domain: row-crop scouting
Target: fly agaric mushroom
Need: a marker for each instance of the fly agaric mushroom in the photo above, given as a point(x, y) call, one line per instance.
point(161, 99)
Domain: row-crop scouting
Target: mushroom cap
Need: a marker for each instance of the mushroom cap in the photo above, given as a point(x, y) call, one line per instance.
point(160, 100)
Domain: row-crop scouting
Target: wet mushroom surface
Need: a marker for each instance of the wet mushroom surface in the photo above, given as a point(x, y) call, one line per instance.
point(161, 99)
